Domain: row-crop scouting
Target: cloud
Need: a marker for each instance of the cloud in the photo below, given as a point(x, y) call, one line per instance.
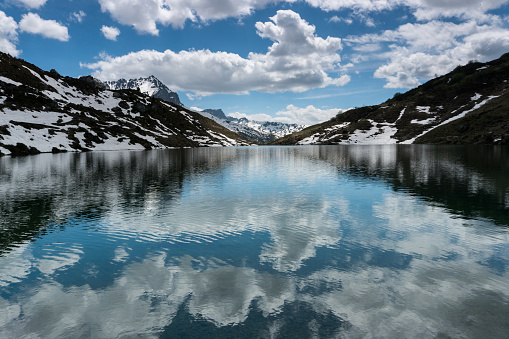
point(350, 19)
point(8, 35)
point(254, 117)
point(484, 46)
point(32, 3)
point(33, 23)
point(309, 115)
point(362, 5)
point(399, 79)
point(420, 51)
point(110, 33)
point(77, 16)
point(68, 256)
point(17, 267)
point(431, 9)
point(369, 48)
point(297, 60)
point(436, 35)
point(406, 68)
point(144, 16)
point(293, 36)
point(336, 18)
point(422, 9)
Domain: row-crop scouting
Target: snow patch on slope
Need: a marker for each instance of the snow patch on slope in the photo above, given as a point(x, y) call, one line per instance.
point(92, 122)
point(375, 136)
point(10, 82)
point(476, 97)
point(456, 117)
point(423, 122)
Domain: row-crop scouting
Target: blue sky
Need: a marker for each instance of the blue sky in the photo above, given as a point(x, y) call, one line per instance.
point(286, 60)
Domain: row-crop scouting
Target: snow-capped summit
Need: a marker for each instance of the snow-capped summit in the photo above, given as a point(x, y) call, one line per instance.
point(217, 113)
point(254, 131)
point(150, 86)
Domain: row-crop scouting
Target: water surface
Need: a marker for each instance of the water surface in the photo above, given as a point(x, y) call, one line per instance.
point(319, 241)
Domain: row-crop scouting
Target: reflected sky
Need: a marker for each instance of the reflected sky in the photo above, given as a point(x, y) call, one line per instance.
point(320, 241)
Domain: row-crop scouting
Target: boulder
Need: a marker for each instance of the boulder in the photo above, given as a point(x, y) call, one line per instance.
point(96, 83)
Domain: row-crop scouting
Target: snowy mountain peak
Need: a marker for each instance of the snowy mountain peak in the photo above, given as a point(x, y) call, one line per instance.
point(216, 112)
point(149, 85)
point(254, 131)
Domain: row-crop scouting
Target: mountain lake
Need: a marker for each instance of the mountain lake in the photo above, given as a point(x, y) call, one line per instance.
point(396, 241)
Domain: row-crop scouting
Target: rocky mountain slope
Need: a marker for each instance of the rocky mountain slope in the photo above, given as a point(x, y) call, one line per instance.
point(470, 105)
point(150, 85)
point(45, 112)
point(254, 131)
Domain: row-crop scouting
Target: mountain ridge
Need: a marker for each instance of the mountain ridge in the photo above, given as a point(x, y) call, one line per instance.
point(469, 105)
point(149, 85)
point(43, 111)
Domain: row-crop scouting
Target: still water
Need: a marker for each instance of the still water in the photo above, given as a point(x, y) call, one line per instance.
point(270, 242)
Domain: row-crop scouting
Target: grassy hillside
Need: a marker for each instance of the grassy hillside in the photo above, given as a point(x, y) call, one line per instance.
point(470, 105)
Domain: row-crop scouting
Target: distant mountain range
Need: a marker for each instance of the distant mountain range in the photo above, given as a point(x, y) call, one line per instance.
point(254, 131)
point(470, 105)
point(43, 111)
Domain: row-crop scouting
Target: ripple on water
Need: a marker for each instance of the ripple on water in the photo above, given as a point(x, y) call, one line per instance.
point(284, 237)
point(53, 257)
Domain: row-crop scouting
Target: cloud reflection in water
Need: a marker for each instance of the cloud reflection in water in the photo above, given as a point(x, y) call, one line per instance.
point(311, 241)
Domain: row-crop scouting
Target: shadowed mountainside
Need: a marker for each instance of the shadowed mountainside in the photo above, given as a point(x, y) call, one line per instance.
point(470, 105)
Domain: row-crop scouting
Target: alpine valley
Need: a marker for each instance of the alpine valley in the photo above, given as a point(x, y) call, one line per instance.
point(42, 111)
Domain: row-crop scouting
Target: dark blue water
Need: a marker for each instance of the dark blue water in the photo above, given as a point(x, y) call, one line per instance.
point(319, 241)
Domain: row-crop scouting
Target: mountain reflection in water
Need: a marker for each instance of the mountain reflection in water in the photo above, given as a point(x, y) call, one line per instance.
point(319, 241)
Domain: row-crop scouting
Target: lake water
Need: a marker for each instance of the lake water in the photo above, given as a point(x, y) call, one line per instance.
point(270, 242)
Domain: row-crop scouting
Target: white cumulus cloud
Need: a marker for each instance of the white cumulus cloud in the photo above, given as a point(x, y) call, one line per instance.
point(358, 5)
point(110, 33)
point(33, 23)
point(420, 51)
point(77, 16)
point(145, 15)
point(430, 9)
point(309, 115)
point(32, 3)
point(8, 35)
point(422, 9)
point(297, 60)
point(406, 68)
point(336, 18)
